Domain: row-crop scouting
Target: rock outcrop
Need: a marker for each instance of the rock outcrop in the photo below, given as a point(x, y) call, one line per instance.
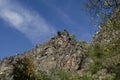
point(61, 52)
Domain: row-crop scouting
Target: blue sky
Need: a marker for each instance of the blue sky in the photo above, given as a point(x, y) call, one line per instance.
point(25, 23)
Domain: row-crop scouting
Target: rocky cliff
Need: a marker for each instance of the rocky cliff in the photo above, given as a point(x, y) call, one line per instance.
point(60, 52)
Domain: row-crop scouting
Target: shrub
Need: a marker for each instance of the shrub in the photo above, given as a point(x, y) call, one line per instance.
point(86, 76)
point(23, 69)
point(97, 53)
point(44, 76)
point(63, 75)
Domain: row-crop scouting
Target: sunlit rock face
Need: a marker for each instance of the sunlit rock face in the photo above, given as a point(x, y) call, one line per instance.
point(60, 52)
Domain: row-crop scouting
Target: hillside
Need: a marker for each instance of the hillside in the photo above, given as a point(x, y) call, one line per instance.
point(61, 52)
point(63, 57)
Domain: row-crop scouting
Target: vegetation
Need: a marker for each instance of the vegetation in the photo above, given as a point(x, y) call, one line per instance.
point(23, 69)
point(105, 57)
point(63, 75)
point(56, 74)
point(106, 54)
point(103, 8)
point(104, 50)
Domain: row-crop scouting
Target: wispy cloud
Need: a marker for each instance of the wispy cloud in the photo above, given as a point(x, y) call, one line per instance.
point(30, 23)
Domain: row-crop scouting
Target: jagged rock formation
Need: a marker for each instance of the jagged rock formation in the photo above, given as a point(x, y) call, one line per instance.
point(61, 52)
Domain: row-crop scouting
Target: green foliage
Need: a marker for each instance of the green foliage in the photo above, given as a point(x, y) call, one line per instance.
point(63, 75)
point(113, 66)
point(114, 70)
point(23, 69)
point(103, 57)
point(86, 76)
point(56, 74)
point(97, 53)
point(94, 68)
point(83, 45)
point(44, 76)
point(2, 76)
point(103, 8)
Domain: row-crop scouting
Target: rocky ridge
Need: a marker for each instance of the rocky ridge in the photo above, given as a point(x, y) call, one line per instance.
point(61, 52)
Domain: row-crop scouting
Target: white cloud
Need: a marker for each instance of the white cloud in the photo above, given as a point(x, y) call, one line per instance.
point(26, 21)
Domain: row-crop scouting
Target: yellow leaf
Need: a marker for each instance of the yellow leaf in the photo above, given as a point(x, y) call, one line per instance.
point(105, 3)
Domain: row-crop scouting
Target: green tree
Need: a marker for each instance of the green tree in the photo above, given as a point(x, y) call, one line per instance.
point(103, 8)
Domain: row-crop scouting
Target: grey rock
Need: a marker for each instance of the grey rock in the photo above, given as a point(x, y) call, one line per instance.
point(59, 52)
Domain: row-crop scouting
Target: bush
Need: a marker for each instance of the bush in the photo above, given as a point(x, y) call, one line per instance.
point(97, 51)
point(44, 76)
point(63, 75)
point(23, 69)
point(86, 76)
point(112, 64)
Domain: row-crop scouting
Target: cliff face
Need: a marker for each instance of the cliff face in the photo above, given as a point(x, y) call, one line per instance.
point(61, 52)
